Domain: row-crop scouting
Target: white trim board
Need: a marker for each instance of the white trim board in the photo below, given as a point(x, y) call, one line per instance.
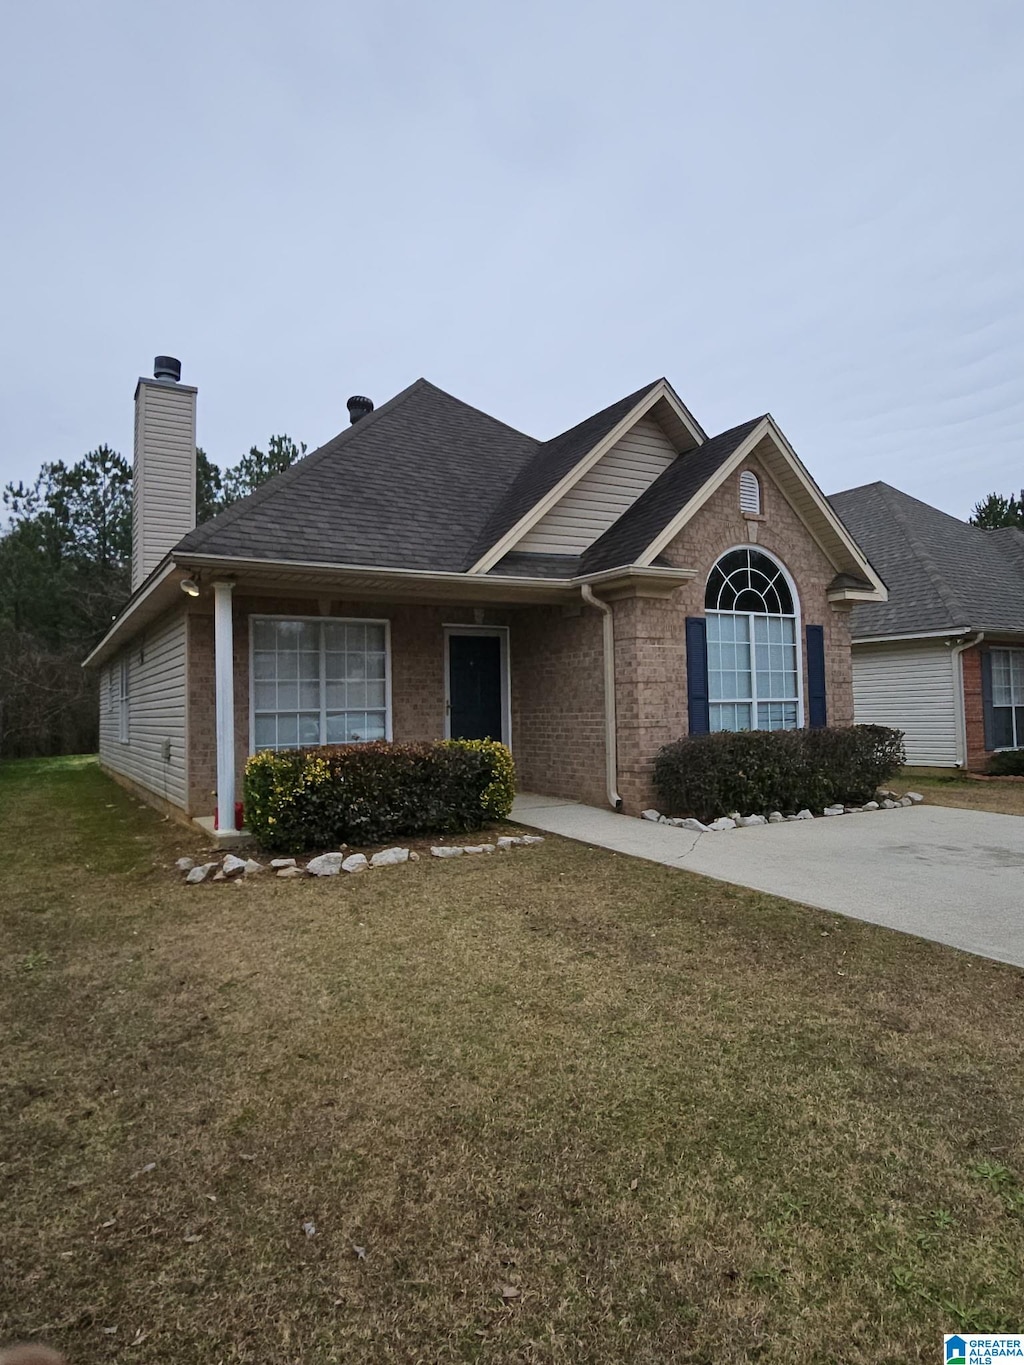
point(502, 633)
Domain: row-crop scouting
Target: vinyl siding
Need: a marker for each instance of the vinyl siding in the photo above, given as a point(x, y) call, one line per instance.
point(156, 710)
point(912, 687)
point(602, 495)
point(164, 483)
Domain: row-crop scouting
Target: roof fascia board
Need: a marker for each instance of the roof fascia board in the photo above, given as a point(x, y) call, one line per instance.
point(511, 538)
point(953, 633)
point(768, 427)
point(157, 580)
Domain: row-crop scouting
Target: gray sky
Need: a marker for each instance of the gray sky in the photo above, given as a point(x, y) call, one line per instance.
point(813, 209)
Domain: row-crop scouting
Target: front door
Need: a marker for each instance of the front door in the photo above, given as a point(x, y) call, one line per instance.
point(475, 700)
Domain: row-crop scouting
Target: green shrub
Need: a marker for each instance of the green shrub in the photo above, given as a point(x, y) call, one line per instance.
point(758, 771)
point(365, 793)
point(1009, 763)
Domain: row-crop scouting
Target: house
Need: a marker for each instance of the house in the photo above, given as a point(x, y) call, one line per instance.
point(943, 659)
point(433, 572)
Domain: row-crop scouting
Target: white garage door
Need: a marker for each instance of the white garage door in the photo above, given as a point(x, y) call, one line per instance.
point(910, 687)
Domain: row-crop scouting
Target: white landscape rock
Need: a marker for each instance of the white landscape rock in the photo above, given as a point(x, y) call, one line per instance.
point(650, 815)
point(390, 857)
point(528, 839)
point(472, 848)
point(723, 823)
point(185, 864)
point(252, 867)
point(199, 874)
point(326, 865)
point(291, 871)
point(776, 817)
point(804, 814)
point(355, 862)
point(697, 826)
point(915, 798)
point(453, 850)
point(870, 805)
point(834, 810)
point(905, 801)
point(282, 862)
point(745, 821)
point(232, 865)
point(889, 805)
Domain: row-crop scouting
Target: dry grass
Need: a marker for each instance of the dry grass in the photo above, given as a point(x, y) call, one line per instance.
point(672, 1120)
point(941, 787)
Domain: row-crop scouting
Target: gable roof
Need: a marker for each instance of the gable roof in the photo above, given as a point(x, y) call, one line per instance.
point(410, 486)
point(942, 573)
point(553, 460)
point(626, 540)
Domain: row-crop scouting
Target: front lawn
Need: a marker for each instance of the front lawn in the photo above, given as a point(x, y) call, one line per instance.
point(551, 1105)
point(944, 787)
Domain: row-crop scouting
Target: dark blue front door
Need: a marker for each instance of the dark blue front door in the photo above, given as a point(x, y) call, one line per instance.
point(474, 687)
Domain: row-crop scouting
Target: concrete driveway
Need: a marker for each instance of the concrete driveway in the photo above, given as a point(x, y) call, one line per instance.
point(953, 876)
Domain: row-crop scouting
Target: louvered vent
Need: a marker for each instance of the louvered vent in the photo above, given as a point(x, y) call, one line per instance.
point(750, 492)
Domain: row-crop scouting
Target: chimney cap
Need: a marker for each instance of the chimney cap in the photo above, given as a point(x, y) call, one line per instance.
point(166, 367)
point(358, 407)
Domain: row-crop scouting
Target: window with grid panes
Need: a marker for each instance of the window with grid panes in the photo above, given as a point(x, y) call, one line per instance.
point(753, 654)
point(318, 681)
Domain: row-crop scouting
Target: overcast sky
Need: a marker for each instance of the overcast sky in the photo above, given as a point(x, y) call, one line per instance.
point(811, 209)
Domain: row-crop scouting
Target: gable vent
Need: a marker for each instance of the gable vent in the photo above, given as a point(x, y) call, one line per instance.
point(750, 493)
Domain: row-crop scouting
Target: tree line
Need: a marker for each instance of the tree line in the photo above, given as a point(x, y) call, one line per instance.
point(65, 573)
point(997, 510)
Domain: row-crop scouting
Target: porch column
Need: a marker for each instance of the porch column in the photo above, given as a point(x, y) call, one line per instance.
point(224, 676)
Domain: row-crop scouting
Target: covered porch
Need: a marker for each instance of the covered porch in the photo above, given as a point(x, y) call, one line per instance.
point(282, 655)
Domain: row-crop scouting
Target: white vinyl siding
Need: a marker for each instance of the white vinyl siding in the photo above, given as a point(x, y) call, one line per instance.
point(910, 687)
point(603, 494)
point(155, 711)
point(164, 481)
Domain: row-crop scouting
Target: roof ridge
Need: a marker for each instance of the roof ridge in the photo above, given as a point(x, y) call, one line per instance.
point(282, 480)
point(498, 422)
point(922, 554)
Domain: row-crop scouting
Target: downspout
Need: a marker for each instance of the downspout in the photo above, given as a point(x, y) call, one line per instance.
point(958, 682)
point(610, 728)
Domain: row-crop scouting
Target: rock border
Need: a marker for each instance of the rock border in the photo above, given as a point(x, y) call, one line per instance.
point(735, 820)
point(238, 870)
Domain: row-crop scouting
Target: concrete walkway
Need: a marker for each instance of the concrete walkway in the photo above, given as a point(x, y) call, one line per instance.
point(953, 876)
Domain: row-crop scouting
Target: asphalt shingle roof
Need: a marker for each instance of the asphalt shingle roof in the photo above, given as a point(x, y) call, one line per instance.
point(941, 573)
point(410, 486)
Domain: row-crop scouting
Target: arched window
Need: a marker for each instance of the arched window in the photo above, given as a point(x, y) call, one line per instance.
point(753, 657)
point(750, 492)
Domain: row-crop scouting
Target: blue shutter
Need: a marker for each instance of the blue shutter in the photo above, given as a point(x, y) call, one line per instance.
point(986, 698)
point(697, 674)
point(817, 707)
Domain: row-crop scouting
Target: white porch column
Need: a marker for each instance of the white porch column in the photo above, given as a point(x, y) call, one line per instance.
point(224, 675)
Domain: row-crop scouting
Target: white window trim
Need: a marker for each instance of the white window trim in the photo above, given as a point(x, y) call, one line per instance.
point(320, 621)
point(502, 633)
point(1008, 748)
point(124, 683)
point(797, 627)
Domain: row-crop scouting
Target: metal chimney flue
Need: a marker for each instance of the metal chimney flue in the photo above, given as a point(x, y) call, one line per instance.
point(167, 368)
point(358, 407)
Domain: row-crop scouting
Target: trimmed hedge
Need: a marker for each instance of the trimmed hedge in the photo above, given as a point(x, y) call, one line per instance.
point(758, 771)
point(1008, 763)
point(366, 793)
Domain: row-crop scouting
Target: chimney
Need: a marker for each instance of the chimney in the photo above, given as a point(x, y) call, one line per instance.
point(358, 407)
point(164, 473)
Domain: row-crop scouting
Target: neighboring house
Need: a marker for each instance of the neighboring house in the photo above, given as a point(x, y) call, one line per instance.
point(943, 659)
point(433, 572)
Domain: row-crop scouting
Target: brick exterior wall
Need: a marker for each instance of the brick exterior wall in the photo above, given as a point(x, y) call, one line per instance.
point(650, 632)
point(556, 661)
point(556, 687)
point(974, 715)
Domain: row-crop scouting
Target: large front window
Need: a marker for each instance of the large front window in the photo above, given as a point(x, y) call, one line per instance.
point(753, 659)
point(318, 682)
point(1008, 698)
